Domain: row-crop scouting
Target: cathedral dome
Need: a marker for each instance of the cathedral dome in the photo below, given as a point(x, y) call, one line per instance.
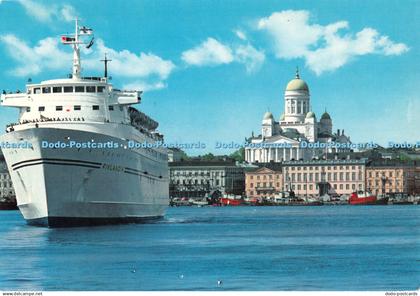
point(310, 114)
point(326, 116)
point(297, 84)
point(268, 115)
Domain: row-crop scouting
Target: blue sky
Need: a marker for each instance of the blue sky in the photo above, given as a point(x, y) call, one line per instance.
point(210, 69)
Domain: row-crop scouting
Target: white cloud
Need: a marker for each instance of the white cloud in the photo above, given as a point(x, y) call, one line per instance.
point(145, 86)
point(129, 64)
point(324, 48)
point(250, 57)
point(241, 35)
point(50, 12)
point(68, 13)
point(210, 52)
point(144, 69)
point(32, 60)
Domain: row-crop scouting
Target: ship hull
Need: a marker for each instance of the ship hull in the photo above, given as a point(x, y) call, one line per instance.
point(58, 187)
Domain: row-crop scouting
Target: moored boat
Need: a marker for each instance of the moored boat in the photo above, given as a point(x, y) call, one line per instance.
point(362, 198)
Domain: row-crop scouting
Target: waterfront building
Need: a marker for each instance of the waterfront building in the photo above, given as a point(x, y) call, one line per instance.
point(176, 154)
point(6, 185)
point(264, 181)
point(393, 176)
point(318, 177)
point(196, 178)
point(284, 140)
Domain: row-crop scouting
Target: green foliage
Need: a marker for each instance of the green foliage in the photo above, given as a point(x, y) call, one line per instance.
point(238, 155)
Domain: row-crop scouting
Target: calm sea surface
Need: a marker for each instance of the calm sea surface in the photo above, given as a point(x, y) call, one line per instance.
point(247, 248)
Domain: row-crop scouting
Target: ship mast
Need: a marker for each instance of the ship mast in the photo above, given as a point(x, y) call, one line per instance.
point(75, 41)
point(76, 53)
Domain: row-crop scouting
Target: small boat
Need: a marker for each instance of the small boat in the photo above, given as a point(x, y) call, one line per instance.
point(231, 200)
point(362, 198)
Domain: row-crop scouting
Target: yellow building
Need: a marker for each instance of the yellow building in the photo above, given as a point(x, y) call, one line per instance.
point(263, 181)
point(393, 177)
point(318, 177)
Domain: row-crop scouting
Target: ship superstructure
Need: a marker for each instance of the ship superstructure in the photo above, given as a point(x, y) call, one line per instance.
point(80, 167)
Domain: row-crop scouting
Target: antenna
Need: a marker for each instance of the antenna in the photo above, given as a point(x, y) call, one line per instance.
point(106, 61)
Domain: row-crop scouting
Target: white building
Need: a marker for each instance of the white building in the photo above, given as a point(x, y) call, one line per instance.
point(288, 138)
point(6, 186)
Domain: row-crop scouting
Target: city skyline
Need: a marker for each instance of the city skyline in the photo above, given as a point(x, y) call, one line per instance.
point(211, 69)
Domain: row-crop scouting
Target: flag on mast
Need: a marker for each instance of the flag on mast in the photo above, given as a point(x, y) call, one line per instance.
point(67, 39)
point(85, 31)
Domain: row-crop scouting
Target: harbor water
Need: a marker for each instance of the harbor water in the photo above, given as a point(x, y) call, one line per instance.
point(221, 248)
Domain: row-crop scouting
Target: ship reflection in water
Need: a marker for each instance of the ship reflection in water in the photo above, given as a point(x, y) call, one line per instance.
point(245, 248)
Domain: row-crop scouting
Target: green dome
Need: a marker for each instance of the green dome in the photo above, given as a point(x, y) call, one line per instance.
point(325, 116)
point(310, 114)
point(268, 115)
point(282, 117)
point(297, 84)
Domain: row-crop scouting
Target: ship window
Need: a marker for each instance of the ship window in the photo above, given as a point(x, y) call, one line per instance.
point(79, 89)
point(28, 109)
point(77, 107)
point(90, 89)
point(95, 107)
point(37, 90)
point(68, 89)
point(46, 90)
point(41, 108)
point(111, 108)
point(57, 89)
point(101, 89)
point(58, 108)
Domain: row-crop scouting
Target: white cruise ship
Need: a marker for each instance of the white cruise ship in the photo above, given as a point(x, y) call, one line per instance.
point(72, 160)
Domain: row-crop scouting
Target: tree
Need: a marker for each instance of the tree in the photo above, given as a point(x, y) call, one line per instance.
point(238, 155)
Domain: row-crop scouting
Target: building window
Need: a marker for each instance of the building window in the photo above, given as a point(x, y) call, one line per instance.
point(95, 107)
point(77, 107)
point(68, 89)
point(58, 108)
point(252, 185)
point(41, 108)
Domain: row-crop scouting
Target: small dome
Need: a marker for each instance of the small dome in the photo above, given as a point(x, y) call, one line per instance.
point(282, 117)
point(268, 115)
point(326, 116)
point(310, 114)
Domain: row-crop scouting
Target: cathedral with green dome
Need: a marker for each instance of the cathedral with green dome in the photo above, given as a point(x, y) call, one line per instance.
point(298, 133)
